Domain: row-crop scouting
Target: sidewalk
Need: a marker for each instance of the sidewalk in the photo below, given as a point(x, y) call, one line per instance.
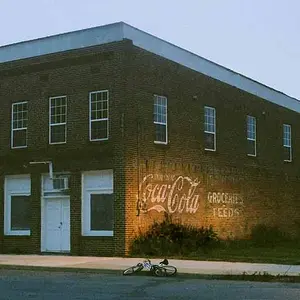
point(120, 264)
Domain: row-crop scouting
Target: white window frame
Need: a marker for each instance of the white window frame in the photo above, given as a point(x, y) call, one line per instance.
point(56, 124)
point(288, 145)
point(17, 129)
point(102, 119)
point(86, 209)
point(162, 123)
point(249, 138)
point(215, 128)
point(7, 208)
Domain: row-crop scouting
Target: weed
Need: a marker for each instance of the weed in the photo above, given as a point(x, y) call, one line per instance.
point(169, 238)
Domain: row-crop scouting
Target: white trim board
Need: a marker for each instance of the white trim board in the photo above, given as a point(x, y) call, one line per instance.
point(119, 31)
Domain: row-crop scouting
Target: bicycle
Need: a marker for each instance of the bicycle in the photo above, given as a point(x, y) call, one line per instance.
point(159, 270)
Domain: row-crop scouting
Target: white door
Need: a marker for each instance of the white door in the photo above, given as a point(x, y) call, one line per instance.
point(57, 225)
point(65, 226)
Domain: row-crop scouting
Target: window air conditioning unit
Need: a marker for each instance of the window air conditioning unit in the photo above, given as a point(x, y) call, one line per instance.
point(60, 183)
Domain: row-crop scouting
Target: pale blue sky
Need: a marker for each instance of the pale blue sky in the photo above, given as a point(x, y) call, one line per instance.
point(257, 38)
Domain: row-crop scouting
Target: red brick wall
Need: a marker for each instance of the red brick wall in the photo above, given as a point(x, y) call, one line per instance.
point(75, 74)
point(262, 189)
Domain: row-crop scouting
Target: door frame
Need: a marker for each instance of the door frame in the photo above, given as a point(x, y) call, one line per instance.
point(43, 223)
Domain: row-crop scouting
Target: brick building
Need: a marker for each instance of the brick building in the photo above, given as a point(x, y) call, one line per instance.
point(104, 130)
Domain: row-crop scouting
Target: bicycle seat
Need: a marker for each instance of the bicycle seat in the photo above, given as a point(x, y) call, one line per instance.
point(164, 262)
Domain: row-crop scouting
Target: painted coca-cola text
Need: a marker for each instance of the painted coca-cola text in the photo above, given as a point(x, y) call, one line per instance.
point(180, 194)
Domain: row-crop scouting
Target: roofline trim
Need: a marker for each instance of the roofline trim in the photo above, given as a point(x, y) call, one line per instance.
point(119, 31)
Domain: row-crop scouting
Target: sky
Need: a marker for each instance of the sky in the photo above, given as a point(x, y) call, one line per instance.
point(257, 38)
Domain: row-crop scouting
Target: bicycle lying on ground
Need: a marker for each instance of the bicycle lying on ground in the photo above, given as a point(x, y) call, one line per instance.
point(160, 270)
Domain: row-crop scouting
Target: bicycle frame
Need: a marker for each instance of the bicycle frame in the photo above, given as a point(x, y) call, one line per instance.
point(147, 264)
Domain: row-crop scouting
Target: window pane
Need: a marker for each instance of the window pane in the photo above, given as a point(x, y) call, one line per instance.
point(251, 147)
point(160, 133)
point(104, 114)
point(58, 111)
point(160, 109)
point(250, 135)
point(20, 115)
point(104, 96)
point(58, 133)
point(102, 212)
point(209, 141)
point(20, 213)
point(105, 105)
point(93, 106)
point(94, 115)
point(156, 116)
point(19, 138)
point(99, 115)
point(63, 109)
point(286, 135)
point(251, 127)
point(209, 119)
point(287, 153)
point(93, 97)
point(99, 130)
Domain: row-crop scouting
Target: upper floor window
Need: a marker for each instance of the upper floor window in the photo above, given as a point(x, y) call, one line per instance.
point(209, 128)
point(287, 142)
point(160, 119)
point(251, 136)
point(99, 115)
point(58, 120)
point(19, 122)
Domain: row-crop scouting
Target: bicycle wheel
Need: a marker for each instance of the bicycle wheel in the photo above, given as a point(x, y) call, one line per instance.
point(158, 271)
point(170, 270)
point(133, 269)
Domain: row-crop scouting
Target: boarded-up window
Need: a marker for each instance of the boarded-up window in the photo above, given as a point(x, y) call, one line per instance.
point(102, 212)
point(20, 212)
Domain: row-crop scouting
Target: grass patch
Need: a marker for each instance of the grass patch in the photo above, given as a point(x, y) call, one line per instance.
point(279, 255)
point(247, 251)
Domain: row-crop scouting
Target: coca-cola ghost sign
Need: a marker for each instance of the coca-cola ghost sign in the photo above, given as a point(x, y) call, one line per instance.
point(168, 193)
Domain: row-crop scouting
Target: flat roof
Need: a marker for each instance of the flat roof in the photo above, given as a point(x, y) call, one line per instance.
point(119, 31)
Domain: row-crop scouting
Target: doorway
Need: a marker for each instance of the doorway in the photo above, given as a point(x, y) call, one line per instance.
point(56, 225)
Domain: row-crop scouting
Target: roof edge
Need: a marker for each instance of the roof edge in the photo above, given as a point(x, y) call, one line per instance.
point(202, 65)
point(62, 42)
point(118, 31)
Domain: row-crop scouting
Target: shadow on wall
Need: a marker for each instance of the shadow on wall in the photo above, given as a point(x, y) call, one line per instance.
point(269, 236)
point(171, 238)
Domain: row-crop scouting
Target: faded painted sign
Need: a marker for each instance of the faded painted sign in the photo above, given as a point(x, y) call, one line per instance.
point(169, 193)
point(225, 205)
